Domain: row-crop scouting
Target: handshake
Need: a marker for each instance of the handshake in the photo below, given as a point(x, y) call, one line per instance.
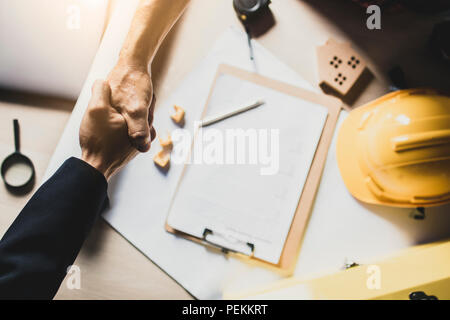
point(118, 121)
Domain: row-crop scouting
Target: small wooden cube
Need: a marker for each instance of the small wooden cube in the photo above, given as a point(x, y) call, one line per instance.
point(178, 116)
point(166, 143)
point(340, 67)
point(162, 158)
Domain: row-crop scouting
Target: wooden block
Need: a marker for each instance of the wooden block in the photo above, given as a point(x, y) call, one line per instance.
point(162, 158)
point(178, 116)
point(340, 67)
point(166, 143)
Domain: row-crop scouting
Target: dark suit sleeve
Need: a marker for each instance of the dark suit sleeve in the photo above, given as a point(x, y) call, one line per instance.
point(47, 235)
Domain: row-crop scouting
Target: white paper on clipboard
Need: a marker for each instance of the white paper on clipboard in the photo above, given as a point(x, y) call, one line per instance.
point(247, 201)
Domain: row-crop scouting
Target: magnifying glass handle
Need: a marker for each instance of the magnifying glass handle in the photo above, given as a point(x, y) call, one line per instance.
point(16, 135)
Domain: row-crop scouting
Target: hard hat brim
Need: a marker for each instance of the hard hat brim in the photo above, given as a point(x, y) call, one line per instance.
point(347, 157)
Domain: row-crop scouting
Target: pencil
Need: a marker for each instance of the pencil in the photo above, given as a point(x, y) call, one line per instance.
point(213, 119)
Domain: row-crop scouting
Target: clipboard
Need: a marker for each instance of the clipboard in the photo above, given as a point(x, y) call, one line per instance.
point(294, 237)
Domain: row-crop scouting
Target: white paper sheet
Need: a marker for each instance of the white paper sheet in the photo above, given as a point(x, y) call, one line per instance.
point(254, 201)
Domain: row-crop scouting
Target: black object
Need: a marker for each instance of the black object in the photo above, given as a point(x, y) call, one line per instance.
point(351, 265)
point(440, 40)
point(397, 77)
point(418, 213)
point(207, 232)
point(427, 6)
point(15, 159)
point(256, 17)
point(47, 235)
point(248, 10)
point(420, 6)
point(420, 295)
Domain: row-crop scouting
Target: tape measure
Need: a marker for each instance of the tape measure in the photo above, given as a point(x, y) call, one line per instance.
point(247, 10)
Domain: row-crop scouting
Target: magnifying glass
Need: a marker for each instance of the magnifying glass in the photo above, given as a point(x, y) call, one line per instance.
point(17, 169)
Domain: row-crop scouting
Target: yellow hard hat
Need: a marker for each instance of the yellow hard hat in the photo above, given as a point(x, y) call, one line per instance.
point(395, 150)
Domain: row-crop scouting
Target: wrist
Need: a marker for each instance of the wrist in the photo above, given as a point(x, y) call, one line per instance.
point(132, 61)
point(97, 163)
point(127, 65)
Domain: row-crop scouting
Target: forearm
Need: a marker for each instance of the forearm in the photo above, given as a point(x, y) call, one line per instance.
point(47, 235)
point(151, 23)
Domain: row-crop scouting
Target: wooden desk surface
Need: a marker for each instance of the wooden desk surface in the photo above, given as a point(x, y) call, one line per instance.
point(111, 268)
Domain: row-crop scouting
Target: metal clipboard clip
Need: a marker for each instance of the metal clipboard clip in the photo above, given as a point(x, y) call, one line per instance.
point(236, 246)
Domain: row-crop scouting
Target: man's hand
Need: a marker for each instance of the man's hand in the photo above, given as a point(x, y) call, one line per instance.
point(130, 82)
point(104, 134)
point(132, 95)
